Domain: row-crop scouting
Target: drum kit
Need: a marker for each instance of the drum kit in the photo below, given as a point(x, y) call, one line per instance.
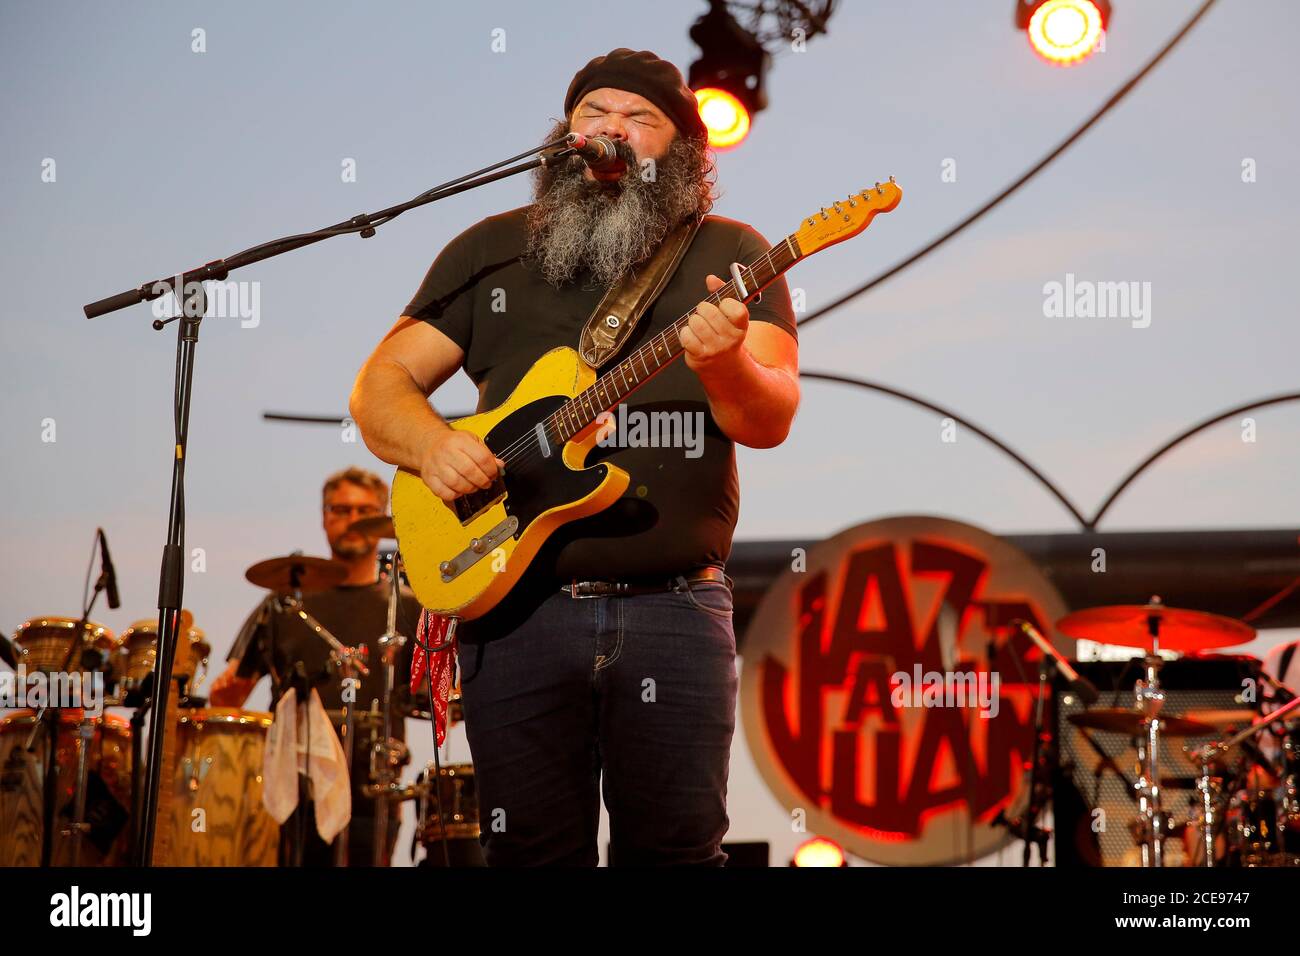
point(70, 777)
point(81, 807)
point(1249, 805)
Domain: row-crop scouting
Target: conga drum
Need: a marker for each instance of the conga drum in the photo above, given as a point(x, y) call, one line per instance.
point(44, 642)
point(458, 798)
point(108, 789)
point(138, 653)
point(218, 818)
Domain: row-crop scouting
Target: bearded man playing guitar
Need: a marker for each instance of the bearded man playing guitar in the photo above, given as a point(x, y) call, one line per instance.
point(613, 655)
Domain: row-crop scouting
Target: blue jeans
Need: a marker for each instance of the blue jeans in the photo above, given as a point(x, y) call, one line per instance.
point(640, 689)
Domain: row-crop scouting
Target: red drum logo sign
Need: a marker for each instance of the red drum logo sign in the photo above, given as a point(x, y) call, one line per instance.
point(875, 702)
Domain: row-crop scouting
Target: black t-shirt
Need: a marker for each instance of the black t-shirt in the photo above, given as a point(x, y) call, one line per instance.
point(681, 505)
point(272, 643)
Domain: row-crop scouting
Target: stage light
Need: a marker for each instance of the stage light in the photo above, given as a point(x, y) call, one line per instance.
point(728, 76)
point(819, 851)
point(737, 39)
point(724, 115)
point(1063, 32)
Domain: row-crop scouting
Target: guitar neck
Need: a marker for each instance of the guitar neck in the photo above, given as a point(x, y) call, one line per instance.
point(585, 408)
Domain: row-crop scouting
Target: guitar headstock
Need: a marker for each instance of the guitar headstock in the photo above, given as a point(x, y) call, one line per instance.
point(846, 218)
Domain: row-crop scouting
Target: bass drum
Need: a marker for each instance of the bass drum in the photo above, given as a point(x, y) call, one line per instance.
point(108, 790)
point(217, 814)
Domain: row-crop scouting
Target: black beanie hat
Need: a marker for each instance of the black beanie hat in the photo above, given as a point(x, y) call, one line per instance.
point(643, 73)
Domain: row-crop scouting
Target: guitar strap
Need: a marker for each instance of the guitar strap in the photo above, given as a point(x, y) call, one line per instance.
point(618, 313)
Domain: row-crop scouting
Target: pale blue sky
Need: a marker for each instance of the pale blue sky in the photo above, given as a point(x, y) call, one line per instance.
point(168, 158)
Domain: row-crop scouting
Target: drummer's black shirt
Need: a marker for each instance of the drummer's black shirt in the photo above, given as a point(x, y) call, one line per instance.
point(273, 643)
point(681, 506)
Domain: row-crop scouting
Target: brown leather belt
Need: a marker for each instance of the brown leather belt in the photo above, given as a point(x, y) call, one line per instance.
point(590, 589)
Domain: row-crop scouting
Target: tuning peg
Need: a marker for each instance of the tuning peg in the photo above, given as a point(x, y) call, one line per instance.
point(891, 179)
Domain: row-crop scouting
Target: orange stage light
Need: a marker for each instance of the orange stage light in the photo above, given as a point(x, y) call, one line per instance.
point(819, 851)
point(724, 115)
point(1066, 32)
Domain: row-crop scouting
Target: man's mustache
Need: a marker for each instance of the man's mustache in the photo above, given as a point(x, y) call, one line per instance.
point(623, 151)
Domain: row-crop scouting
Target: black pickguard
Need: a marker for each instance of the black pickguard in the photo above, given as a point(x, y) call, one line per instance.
point(533, 482)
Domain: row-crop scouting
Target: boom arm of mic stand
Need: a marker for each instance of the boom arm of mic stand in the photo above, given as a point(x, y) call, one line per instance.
point(363, 223)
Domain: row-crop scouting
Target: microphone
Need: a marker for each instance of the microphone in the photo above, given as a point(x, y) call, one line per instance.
point(107, 574)
point(598, 152)
point(1079, 684)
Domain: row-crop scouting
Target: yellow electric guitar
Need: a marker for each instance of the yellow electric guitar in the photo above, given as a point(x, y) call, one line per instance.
point(463, 557)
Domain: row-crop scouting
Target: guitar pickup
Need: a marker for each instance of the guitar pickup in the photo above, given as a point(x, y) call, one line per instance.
point(470, 506)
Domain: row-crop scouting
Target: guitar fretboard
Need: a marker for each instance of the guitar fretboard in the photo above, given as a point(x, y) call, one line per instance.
point(619, 382)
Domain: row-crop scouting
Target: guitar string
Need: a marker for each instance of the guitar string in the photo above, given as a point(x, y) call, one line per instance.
point(525, 447)
point(529, 445)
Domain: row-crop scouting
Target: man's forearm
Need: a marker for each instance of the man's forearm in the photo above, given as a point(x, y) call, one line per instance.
point(752, 403)
point(394, 416)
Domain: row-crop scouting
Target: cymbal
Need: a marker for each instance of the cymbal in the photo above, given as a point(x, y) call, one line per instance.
point(380, 526)
point(1223, 719)
point(312, 574)
point(1121, 720)
point(1129, 625)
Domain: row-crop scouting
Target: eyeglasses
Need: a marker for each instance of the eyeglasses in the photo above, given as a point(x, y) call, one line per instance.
point(342, 511)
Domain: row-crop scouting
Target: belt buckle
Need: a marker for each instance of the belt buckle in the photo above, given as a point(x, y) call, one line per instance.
point(710, 574)
point(579, 590)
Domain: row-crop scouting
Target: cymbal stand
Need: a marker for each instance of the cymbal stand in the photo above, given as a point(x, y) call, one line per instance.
point(386, 756)
point(1205, 757)
point(1150, 699)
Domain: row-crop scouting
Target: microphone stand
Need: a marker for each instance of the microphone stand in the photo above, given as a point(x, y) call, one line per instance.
point(1039, 778)
point(188, 289)
point(1039, 782)
point(49, 719)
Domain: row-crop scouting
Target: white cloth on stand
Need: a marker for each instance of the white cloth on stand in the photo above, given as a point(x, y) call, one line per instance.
point(286, 757)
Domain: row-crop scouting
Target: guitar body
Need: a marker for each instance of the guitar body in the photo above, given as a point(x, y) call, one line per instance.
point(540, 491)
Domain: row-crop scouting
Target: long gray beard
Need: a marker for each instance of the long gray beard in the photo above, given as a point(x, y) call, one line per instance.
point(609, 228)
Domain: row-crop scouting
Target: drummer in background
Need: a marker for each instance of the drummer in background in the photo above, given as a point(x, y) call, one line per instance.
point(356, 612)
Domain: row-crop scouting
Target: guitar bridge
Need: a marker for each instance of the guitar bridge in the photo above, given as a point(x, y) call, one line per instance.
point(478, 549)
